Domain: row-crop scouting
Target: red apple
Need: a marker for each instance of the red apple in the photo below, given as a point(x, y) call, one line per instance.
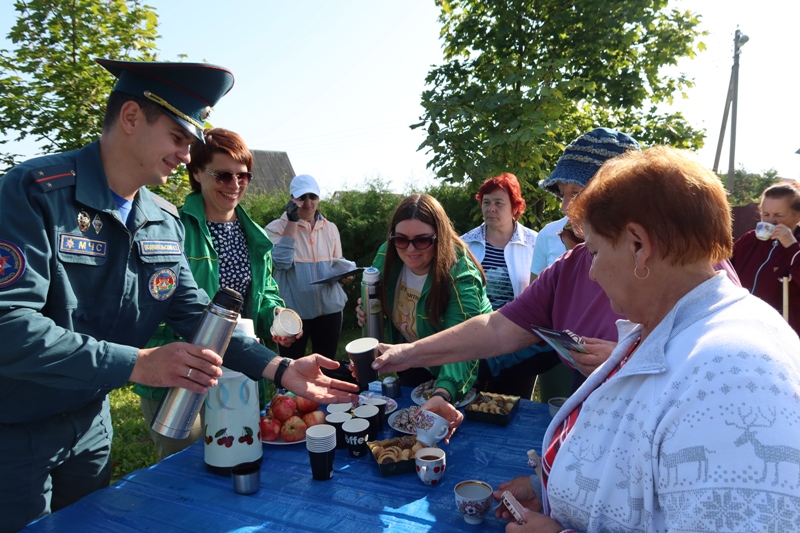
point(293, 429)
point(270, 429)
point(283, 407)
point(304, 405)
point(313, 418)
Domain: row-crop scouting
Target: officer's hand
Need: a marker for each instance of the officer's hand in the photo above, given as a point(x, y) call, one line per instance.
point(292, 212)
point(178, 364)
point(304, 378)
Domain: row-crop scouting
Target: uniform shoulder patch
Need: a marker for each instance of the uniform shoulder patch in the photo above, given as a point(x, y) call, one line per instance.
point(166, 206)
point(54, 177)
point(12, 263)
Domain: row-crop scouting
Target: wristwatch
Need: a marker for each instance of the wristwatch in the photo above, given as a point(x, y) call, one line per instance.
point(282, 366)
point(444, 395)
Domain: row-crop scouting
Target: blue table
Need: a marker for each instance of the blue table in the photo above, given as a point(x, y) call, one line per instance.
point(179, 494)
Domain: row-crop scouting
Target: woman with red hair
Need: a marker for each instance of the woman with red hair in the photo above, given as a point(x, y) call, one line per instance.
point(504, 247)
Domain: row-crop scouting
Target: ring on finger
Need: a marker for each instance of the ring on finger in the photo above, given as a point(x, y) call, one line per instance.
point(189, 374)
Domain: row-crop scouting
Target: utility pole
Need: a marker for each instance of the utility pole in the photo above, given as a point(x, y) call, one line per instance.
point(731, 101)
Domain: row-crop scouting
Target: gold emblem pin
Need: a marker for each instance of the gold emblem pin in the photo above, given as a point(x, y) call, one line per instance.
point(83, 221)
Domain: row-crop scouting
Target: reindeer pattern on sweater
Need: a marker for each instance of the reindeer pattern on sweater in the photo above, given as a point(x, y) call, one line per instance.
point(699, 431)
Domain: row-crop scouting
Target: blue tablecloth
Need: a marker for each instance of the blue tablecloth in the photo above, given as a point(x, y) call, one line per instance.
point(179, 494)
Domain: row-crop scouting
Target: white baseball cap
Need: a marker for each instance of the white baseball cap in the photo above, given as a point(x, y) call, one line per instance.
point(303, 184)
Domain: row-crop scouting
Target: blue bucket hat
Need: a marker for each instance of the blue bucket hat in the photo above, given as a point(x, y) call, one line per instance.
point(583, 157)
point(184, 91)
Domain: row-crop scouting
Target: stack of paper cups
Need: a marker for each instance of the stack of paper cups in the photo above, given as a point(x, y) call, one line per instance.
point(321, 445)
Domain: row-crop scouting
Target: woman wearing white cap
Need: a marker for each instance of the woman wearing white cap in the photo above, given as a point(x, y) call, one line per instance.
point(306, 244)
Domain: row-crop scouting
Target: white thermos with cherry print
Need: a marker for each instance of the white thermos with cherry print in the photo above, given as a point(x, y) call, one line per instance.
point(231, 430)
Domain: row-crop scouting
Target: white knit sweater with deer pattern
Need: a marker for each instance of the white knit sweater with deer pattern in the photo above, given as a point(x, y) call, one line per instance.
point(699, 431)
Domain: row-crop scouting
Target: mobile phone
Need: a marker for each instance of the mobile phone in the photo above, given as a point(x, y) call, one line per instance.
point(513, 506)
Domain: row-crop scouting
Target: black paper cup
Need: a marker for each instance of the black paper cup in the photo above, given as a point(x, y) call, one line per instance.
point(336, 420)
point(322, 464)
point(356, 434)
point(380, 403)
point(362, 354)
point(371, 414)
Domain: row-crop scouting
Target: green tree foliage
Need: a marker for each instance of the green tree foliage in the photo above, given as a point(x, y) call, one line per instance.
point(748, 186)
point(177, 187)
point(525, 77)
point(50, 87)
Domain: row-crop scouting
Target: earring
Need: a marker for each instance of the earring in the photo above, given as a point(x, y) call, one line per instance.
point(636, 274)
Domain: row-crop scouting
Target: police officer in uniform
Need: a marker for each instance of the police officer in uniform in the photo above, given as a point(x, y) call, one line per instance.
point(90, 263)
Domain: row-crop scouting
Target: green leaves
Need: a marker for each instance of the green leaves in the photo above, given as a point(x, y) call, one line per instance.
point(50, 87)
point(523, 78)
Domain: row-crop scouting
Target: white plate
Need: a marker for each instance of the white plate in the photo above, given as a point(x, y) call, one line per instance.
point(391, 421)
point(419, 399)
point(391, 405)
point(280, 442)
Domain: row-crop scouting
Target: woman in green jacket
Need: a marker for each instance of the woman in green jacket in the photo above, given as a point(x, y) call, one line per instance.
point(225, 248)
point(431, 282)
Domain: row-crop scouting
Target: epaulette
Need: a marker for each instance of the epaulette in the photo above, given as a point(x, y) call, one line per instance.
point(166, 206)
point(54, 177)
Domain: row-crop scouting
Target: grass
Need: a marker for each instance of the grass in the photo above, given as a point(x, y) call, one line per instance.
point(132, 448)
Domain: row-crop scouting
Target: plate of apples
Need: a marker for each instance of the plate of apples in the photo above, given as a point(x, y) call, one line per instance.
point(287, 419)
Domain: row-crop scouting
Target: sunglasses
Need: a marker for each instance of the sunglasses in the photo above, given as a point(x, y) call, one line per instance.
point(224, 178)
point(309, 196)
point(420, 243)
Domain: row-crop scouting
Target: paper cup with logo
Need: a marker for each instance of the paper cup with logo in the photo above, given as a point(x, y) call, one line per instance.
point(356, 434)
point(286, 323)
point(430, 464)
point(431, 428)
point(473, 499)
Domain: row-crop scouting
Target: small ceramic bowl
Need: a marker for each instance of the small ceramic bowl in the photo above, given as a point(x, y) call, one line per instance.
point(555, 404)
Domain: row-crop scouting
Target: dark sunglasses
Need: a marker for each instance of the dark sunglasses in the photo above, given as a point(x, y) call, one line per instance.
point(309, 196)
point(420, 243)
point(224, 178)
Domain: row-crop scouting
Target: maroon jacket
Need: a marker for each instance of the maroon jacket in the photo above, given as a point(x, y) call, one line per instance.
point(749, 253)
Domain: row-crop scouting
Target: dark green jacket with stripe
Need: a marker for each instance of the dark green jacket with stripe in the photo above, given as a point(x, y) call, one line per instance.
point(81, 292)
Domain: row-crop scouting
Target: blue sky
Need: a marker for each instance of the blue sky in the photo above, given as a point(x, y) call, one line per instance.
point(336, 83)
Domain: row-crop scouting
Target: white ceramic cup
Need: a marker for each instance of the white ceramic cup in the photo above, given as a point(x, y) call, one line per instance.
point(473, 499)
point(430, 464)
point(764, 230)
point(431, 428)
point(287, 323)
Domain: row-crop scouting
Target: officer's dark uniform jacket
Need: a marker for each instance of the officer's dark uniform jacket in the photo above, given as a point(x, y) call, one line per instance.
point(90, 291)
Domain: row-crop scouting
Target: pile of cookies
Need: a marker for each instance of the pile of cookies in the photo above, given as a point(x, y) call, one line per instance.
point(394, 450)
point(497, 404)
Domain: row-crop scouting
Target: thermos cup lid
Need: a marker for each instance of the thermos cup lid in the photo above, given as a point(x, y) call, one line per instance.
point(371, 274)
point(228, 298)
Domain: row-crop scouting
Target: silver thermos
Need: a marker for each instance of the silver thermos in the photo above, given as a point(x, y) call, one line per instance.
point(179, 408)
point(371, 303)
